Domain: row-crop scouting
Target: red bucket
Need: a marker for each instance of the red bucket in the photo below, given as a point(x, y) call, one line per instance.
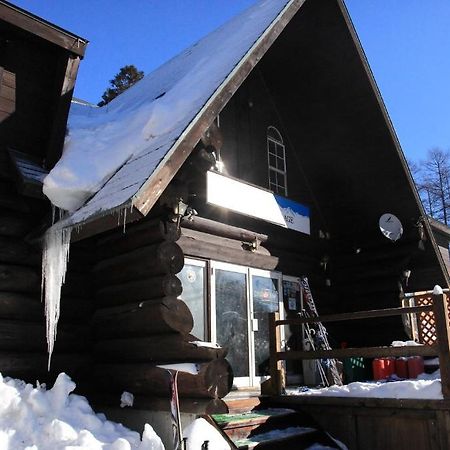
point(383, 368)
point(415, 366)
point(401, 367)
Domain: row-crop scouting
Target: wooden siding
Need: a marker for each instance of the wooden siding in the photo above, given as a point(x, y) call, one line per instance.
point(7, 94)
point(378, 424)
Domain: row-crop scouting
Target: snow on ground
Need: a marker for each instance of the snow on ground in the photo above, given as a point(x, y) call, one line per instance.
point(34, 418)
point(424, 387)
point(200, 431)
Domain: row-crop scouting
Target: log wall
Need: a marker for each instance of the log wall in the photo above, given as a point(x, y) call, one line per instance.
point(139, 322)
point(23, 346)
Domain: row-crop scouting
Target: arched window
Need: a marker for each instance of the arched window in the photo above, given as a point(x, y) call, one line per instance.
point(276, 157)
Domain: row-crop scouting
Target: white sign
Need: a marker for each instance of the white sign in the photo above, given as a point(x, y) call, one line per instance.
point(256, 202)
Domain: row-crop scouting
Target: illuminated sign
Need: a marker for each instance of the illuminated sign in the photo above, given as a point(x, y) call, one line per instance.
point(253, 201)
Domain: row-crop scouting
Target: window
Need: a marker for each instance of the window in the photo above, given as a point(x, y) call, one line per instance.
point(276, 158)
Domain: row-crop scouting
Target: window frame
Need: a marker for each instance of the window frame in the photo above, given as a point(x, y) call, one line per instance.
point(275, 139)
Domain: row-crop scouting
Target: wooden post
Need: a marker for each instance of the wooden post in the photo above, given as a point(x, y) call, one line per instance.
point(440, 310)
point(277, 376)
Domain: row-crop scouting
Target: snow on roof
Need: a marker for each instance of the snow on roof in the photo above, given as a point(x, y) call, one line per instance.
point(110, 152)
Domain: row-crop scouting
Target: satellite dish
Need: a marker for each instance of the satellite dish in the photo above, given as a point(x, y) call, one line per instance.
point(391, 227)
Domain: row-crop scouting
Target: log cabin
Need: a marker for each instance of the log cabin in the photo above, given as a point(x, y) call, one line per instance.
point(38, 68)
point(285, 164)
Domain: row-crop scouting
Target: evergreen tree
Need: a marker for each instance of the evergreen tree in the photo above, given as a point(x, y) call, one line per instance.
point(127, 76)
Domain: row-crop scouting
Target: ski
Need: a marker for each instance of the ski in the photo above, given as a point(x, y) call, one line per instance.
point(317, 335)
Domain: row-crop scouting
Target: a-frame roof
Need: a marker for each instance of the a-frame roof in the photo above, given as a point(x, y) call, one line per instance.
point(161, 118)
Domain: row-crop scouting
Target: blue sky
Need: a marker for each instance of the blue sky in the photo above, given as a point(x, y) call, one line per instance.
point(407, 43)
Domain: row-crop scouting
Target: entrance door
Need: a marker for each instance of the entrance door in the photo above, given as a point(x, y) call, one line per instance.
point(241, 299)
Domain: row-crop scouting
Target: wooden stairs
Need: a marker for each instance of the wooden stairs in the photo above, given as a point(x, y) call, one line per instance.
point(270, 429)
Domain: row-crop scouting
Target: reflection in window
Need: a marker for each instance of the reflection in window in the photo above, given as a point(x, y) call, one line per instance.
point(265, 300)
point(192, 279)
point(232, 319)
point(276, 157)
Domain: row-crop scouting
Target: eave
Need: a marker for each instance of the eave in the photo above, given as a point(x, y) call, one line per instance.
point(40, 27)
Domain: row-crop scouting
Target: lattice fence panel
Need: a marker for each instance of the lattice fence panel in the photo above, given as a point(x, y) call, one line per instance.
point(425, 321)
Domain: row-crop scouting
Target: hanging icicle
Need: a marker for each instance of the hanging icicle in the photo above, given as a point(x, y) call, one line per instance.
point(55, 257)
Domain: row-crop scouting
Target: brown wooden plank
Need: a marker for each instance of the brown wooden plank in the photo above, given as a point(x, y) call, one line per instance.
point(221, 229)
point(441, 323)
point(63, 96)
point(365, 352)
point(143, 319)
point(7, 106)
point(8, 93)
point(8, 79)
point(163, 348)
point(4, 115)
point(39, 27)
point(139, 290)
point(214, 379)
point(195, 245)
point(360, 402)
point(359, 315)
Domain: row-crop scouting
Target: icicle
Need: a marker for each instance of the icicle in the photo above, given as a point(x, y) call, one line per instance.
point(55, 256)
point(124, 219)
point(53, 213)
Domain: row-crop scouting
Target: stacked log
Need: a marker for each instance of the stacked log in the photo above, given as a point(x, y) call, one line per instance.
point(140, 323)
point(23, 346)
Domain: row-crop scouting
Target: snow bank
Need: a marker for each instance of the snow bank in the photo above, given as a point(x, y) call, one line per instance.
point(425, 387)
point(35, 418)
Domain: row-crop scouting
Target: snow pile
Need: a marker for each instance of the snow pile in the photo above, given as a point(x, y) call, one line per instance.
point(424, 387)
point(404, 343)
point(35, 418)
point(126, 399)
point(137, 129)
point(191, 368)
point(205, 344)
point(200, 431)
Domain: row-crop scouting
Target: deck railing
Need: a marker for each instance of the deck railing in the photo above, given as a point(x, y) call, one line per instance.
point(440, 348)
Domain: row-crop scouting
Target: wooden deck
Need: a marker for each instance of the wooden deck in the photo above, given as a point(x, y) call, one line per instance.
point(377, 423)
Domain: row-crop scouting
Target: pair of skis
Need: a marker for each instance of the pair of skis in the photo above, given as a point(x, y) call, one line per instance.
point(317, 336)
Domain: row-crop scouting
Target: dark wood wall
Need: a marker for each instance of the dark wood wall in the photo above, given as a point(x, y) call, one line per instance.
point(32, 102)
point(140, 323)
point(342, 160)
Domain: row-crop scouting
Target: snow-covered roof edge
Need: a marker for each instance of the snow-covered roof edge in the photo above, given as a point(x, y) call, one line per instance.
point(141, 203)
point(143, 198)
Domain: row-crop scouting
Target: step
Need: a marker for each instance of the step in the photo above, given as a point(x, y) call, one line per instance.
point(272, 428)
point(239, 426)
point(285, 439)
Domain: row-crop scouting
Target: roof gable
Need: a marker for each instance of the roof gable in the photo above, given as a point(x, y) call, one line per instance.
point(161, 118)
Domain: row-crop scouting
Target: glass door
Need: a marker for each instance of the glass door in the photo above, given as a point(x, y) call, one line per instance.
point(230, 318)
point(241, 299)
point(265, 298)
